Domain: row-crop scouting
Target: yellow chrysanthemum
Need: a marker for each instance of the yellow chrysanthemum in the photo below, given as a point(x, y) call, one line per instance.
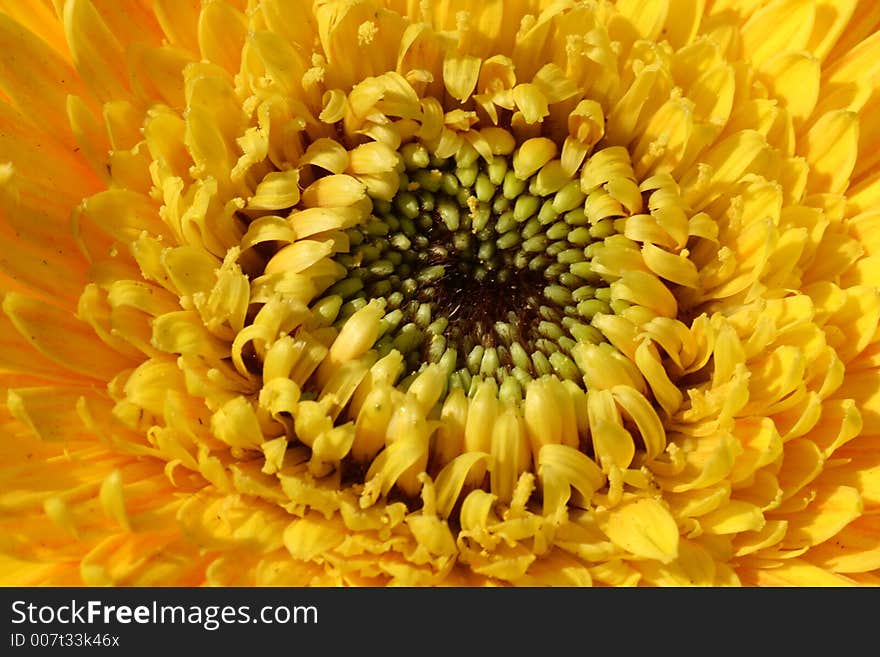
point(512, 292)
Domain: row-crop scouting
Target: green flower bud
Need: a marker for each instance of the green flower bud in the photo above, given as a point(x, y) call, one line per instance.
point(484, 188)
point(415, 156)
point(512, 186)
point(497, 169)
point(526, 207)
point(547, 214)
point(449, 214)
point(569, 197)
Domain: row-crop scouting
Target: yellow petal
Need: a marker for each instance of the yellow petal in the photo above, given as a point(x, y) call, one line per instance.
point(647, 18)
point(833, 19)
point(857, 318)
point(298, 256)
point(603, 369)
point(327, 154)
point(49, 412)
point(398, 464)
point(643, 527)
point(333, 191)
point(449, 441)
point(801, 464)
point(562, 468)
point(460, 74)
point(831, 148)
point(309, 537)
point(793, 572)
point(183, 332)
point(372, 423)
point(700, 501)
point(723, 165)
point(855, 549)
point(672, 267)
point(770, 535)
point(531, 101)
point(53, 173)
point(532, 155)
point(155, 73)
point(91, 138)
point(221, 33)
point(733, 518)
point(613, 444)
point(481, 417)
point(667, 393)
point(38, 267)
point(112, 499)
point(124, 214)
point(189, 268)
point(683, 21)
point(794, 78)
point(356, 337)
point(267, 229)
point(451, 480)
point(372, 158)
point(298, 27)
point(510, 454)
point(865, 195)
point(662, 145)
point(831, 511)
point(637, 407)
point(432, 533)
point(694, 567)
point(544, 420)
point(851, 80)
point(864, 388)
point(179, 20)
point(780, 25)
point(623, 119)
point(277, 190)
point(705, 465)
point(644, 289)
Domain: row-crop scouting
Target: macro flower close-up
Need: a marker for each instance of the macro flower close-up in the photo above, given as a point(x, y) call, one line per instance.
point(426, 292)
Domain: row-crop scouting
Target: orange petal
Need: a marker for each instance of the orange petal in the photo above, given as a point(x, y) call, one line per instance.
point(55, 173)
point(99, 57)
point(59, 336)
point(179, 21)
point(36, 79)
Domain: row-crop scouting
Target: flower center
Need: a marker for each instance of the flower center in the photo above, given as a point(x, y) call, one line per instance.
point(480, 269)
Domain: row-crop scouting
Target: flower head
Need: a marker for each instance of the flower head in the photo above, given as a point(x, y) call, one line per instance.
point(361, 292)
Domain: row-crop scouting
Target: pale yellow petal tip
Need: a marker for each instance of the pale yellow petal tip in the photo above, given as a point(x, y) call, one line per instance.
point(277, 190)
point(7, 171)
point(113, 500)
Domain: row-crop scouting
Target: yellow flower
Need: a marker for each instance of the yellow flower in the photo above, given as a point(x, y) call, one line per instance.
point(360, 292)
